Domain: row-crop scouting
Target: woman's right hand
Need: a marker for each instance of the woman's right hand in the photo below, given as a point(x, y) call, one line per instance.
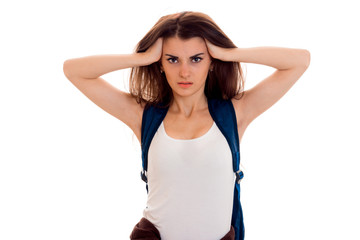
point(153, 54)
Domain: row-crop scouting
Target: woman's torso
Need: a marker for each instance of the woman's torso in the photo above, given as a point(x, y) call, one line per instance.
point(190, 180)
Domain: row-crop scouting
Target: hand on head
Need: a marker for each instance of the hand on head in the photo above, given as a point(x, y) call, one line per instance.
point(155, 51)
point(217, 52)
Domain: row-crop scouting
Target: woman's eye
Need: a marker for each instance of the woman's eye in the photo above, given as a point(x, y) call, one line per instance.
point(197, 59)
point(172, 60)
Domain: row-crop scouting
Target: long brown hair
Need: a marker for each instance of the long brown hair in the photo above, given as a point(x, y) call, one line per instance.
point(148, 85)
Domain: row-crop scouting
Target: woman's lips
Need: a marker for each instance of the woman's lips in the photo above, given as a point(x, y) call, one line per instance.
point(185, 84)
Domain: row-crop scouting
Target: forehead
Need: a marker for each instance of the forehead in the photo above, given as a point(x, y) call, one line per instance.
point(177, 46)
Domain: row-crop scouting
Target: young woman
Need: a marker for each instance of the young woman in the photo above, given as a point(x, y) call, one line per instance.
point(181, 63)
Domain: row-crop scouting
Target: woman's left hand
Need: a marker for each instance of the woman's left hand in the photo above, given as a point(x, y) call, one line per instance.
point(223, 54)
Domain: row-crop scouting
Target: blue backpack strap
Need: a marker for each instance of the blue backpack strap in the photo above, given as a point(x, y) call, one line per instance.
point(223, 113)
point(151, 120)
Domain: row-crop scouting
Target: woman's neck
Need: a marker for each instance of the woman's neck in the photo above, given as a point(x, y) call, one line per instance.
point(186, 106)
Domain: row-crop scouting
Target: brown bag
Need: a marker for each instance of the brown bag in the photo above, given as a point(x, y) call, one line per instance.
point(145, 230)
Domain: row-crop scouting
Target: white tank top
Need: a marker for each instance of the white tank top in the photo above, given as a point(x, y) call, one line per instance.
point(191, 186)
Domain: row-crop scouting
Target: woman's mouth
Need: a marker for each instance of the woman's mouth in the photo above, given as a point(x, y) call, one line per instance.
point(185, 84)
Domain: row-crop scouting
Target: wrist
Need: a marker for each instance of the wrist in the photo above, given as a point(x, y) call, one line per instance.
point(231, 54)
point(141, 59)
point(145, 59)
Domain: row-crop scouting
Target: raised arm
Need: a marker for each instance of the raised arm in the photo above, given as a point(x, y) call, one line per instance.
point(85, 74)
point(290, 63)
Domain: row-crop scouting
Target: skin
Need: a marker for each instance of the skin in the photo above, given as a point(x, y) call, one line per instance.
point(186, 61)
point(188, 116)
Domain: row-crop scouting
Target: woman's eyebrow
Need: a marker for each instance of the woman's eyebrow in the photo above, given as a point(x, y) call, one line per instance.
point(196, 55)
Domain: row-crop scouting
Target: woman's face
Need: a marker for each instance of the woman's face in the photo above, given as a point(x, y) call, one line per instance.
point(186, 65)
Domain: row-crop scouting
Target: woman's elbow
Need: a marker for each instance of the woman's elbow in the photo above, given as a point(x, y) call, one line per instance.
point(307, 58)
point(66, 68)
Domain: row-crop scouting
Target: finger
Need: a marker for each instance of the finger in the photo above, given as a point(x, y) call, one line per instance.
point(209, 47)
point(207, 43)
point(159, 41)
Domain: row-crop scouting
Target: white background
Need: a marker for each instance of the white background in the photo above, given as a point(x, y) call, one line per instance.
point(69, 170)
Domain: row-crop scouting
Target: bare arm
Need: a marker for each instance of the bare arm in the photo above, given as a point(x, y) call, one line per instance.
point(290, 63)
point(95, 66)
point(91, 67)
point(85, 74)
point(278, 57)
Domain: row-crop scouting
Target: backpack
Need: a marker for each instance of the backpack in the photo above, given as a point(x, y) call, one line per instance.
point(223, 113)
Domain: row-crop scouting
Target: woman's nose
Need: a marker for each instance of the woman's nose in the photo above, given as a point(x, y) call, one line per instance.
point(184, 70)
